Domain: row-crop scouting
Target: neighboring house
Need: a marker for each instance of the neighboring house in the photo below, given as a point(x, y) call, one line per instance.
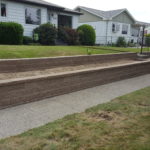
point(32, 13)
point(147, 30)
point(109, 25)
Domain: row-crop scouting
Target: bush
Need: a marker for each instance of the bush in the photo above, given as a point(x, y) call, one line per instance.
point(27, 40)
point(87, 35)
point(121, 42)
point(131, 44)
point(147, 40)
point(68, 35)
point(47, 34)
point(11, 33)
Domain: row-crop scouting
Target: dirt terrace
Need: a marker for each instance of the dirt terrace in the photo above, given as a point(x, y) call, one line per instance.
point(5, 76)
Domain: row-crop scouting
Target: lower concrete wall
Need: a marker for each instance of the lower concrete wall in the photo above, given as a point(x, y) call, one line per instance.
point(18, 65)
point(19, 91)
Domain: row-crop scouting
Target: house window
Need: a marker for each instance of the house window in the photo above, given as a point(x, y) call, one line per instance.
point(115, 27)
point(3, 9)
point(33, 16)
point(124, 29)
point(50, 17)
point(65, 21)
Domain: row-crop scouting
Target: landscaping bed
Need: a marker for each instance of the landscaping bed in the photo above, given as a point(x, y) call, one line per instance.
point(53, 71)
point(34, 64)
point(122, 124)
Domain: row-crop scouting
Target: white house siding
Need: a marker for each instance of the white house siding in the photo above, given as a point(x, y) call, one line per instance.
point(113, 36)
point(104, 34)
point(100, 29)
point(54, 17)
point(75, 21)
point(16, 13)
point(147, 30)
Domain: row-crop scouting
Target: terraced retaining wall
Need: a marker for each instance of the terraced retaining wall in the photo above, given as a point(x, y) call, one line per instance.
point(19, 91)
point(20, 65)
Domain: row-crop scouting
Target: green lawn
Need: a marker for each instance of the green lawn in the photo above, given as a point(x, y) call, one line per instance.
point(7, 51)
point(122, 124)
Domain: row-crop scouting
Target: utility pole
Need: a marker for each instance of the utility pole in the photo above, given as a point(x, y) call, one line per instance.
point(143, 32)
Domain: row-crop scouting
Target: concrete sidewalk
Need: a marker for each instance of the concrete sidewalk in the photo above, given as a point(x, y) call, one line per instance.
point(18, 119)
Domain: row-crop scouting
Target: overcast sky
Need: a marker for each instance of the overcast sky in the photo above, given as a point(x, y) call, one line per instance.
point(140, 10)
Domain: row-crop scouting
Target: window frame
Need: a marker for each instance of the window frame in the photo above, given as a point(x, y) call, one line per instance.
point(37, 8)
point(115, 27)
point(62, 17)
point(1, 2)
point(123, 32)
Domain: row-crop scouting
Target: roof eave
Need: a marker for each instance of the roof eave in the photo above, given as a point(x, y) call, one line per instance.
point(44, 5)
point(72, 12)
point(125, 10)
point(90, 12)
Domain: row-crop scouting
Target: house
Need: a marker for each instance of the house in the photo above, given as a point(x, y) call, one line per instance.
point(109, 25)
point(32, 13)
point(147, 30)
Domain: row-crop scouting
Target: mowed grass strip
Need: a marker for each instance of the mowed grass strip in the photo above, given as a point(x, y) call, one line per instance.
point(122, 124)
point(7, 51)
point(12, 51)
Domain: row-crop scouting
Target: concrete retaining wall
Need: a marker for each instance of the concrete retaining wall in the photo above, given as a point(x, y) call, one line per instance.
point(18, 65)
point(14, 92)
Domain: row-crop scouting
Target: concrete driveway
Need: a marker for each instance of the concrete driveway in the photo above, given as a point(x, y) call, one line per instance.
point(21, 118)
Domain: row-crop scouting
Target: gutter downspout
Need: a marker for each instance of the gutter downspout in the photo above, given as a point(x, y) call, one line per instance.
point(106, 31)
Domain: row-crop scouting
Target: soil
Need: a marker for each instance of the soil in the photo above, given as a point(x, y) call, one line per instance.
point(5, 76)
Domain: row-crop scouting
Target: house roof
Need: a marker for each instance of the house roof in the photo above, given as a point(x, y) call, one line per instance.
point(49, 5)
point(106, 15)
point(67, 10)
point(140, 23)
point(40, 2)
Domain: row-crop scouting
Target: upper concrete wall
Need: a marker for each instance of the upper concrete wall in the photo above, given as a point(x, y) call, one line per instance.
point(88, 17)
point(123, 18)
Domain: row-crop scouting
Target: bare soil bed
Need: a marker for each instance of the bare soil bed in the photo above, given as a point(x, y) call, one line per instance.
point(53, 71)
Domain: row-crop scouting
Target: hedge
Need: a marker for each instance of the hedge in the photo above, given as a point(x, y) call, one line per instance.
point(121, 42)
point(11, 33)
point(147, 40)
point(27, 40)
point(68, 35)
point(87, 35)
point(47, 34)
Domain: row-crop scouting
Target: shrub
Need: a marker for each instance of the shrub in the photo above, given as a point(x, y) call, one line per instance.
point(68, 35)
point(87, 35)
point(147, 40)
point(131, 44)
point(11, 33)
point(121, 42)
point(27, 40)
point(47, 34)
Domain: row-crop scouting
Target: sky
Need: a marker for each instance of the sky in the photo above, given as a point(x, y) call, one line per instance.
point(140, 10)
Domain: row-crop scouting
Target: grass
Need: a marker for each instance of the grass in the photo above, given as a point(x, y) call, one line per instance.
point(10, 51)
point(122, 124)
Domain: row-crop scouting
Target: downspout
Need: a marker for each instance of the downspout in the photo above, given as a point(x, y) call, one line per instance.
point(106, 31)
